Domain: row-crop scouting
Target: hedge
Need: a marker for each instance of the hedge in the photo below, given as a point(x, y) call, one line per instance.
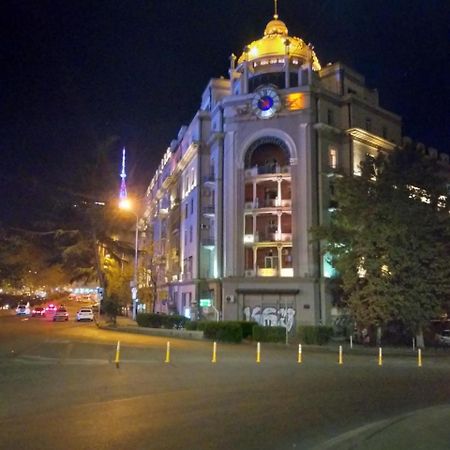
point(150, 320)
point(314, 335)
point(222, 331)
point(269, 334)
point(247, 328)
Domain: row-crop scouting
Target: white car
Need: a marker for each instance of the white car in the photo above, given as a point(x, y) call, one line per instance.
point(444, 337)
point(85, 314)
point(23, 310)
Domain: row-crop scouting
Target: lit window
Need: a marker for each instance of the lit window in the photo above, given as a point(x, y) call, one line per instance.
point(332, 158)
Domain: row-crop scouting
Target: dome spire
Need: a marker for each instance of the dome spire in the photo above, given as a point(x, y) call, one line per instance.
point(275, 15)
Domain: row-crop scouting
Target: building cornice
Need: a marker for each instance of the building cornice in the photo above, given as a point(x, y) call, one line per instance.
point(370, 139)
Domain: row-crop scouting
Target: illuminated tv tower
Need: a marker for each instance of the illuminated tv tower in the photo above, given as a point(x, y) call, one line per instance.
point(123, 185)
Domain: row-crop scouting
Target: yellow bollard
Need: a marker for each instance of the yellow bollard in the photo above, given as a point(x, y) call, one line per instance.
point(117, 360)
point(340, 360)
point(299, 358)
point(419, 357)
point(258, 352)
point(167, 360)
point(214, 355)
point(380, 356)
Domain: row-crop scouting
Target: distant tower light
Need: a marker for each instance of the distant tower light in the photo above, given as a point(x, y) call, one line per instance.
point(123, 185)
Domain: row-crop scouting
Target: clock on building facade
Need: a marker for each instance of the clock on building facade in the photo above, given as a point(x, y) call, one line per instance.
point(266, 102)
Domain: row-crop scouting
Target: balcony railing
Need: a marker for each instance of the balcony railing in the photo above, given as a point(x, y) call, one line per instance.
point(208, 210)
point(209, 179)
point(280, 237)
point(287, 272)
point(265, 272)
point(269, 203)
point(208, 242)
point(267, 169)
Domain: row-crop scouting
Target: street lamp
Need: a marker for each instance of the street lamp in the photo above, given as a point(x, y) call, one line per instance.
point(126, 205)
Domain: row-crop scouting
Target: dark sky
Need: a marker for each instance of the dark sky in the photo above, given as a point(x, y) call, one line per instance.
point(74, 73)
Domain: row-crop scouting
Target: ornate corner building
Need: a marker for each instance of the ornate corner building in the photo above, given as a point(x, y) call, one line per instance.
point(230, 208)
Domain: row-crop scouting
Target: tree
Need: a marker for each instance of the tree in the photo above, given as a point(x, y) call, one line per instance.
point(389, 239)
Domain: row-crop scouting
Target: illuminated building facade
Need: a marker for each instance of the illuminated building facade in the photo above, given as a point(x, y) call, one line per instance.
point(230, 207)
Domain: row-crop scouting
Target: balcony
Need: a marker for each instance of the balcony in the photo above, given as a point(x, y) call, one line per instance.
point(185, 276)
point(208, 242)
point(267, 170)
point(209, 180)
point(280, 237)
point(249, 238)
point(287, 272)
point(269, 203)
point(209, 211)
point(266, 272)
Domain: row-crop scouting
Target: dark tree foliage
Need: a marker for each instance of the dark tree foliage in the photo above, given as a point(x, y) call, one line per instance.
point(81, 224)
point(390, 239)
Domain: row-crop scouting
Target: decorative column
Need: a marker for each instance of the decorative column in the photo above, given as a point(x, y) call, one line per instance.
point(279, 226)
point(255, 254)
point(279, 191)
point(286, 64)
point(232, 69)
point(244, 85)
point(279, 249)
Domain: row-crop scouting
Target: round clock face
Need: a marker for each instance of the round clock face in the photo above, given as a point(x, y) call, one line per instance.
point(266, 102)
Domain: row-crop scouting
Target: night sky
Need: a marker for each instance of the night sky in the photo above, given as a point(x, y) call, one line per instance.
point(75, 73)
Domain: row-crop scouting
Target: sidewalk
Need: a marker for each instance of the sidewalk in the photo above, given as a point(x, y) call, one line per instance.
point(424, 429)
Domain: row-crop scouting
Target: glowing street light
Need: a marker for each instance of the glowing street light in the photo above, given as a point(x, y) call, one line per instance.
point(126, 205)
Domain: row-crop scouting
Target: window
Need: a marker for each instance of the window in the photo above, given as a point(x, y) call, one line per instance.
point(185, 237)
point(332, 158)
point(186, 210)
point(271, 262)
point(192, 205)
point(368, 124)
point(190, 233)
point(330, 117)
point(384, 132)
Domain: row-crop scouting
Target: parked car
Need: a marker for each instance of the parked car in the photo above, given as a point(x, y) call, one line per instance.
point(22, 310)
point(39, 311)
point(61, 314)
point(85, 314)
point(444, 337)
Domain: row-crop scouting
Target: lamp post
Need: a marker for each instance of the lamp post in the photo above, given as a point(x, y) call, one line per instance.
point(126, 205)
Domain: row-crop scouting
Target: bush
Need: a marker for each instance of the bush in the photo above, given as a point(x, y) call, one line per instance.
point(191, 325)
point(314, 335)
point(247, 328)
point(222, 331)
point(151, 320)
point(269, 334)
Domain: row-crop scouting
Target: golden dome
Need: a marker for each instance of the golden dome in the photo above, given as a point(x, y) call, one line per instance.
point(273, 43)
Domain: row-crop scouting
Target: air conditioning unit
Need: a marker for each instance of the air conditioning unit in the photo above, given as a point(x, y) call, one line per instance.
point(230, 299)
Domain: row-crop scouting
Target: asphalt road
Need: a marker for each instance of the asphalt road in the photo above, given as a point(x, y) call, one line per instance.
point(60, 389)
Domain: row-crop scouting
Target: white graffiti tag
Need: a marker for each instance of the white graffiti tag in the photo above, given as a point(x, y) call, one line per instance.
point(271, 316)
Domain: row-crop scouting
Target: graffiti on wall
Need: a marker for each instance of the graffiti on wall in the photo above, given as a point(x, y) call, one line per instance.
point(271, 316)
